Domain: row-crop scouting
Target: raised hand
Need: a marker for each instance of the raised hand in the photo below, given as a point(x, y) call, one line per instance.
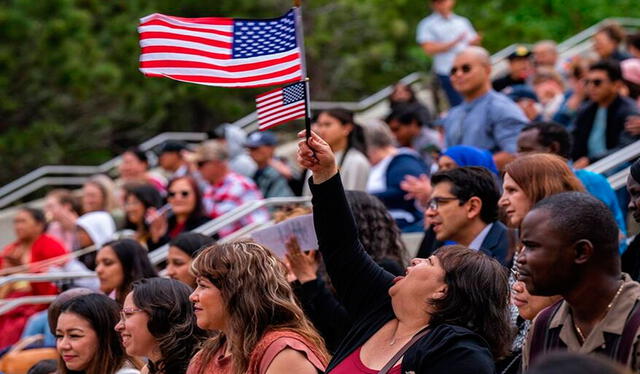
point(322, 163)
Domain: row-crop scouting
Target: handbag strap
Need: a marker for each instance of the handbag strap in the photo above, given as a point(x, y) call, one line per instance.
point(385, 369)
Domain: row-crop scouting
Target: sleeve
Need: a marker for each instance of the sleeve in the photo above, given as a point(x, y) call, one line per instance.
point(508, 127)
point(280, 188)
point(424, 33)
point(325, 311)
point(359, 282)
point(526, 347)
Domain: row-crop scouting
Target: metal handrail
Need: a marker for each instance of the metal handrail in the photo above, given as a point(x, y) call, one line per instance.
point(14, 303)
point(619, 179)
point(249, 122)
point(45, 277)
point(212, 227)
point(623, 155)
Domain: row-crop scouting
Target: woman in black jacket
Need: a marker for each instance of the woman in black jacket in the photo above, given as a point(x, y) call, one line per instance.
point(453, 303)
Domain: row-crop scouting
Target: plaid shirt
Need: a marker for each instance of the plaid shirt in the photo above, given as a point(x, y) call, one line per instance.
point(228, 194)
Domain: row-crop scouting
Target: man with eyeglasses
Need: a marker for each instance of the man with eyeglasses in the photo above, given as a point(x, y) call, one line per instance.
point(225, 190)
point(442, 35)
point(464, 209)
point(486, 119)
point(261, 146)
point(599, 127)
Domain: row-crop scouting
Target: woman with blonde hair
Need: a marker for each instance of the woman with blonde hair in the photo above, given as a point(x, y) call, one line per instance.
point(242, 292)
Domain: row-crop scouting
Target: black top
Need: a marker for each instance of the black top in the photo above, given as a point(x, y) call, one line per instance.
point(505, 81)
point(362, 287)
point(615, 135)
point(631, 259)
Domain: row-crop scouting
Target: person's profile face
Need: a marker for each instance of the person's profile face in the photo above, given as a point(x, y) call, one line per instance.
point(450, 218)
point(109, 270)
point(528, 143)
point(209, 305)
point(514, 201)
point(178, 266)
point(542, 263)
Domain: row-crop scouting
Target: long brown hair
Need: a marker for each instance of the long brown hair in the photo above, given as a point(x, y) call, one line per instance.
point(543, 174)
point(257, 299)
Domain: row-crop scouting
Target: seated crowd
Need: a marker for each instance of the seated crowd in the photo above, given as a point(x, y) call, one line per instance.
point(524, 252)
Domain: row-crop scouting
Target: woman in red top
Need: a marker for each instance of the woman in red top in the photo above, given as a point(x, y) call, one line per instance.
point(31, 246)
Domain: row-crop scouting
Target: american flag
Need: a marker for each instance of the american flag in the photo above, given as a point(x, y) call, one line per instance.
point(227, 52)
point(281, 105)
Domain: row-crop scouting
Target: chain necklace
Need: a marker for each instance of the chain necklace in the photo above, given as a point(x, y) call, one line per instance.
point(396, 338)
point(582, 337)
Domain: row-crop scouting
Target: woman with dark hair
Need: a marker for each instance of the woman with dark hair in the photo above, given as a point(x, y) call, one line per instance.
point(187, 212)
point(134, 167)
point(85, 336)
point(141, 201)
point(32, 245)
point(346, 139)
point(448, 314)
point(243, 292)
point(182, 250)
point(157, 322)
point(119, 264)
point(379, 235)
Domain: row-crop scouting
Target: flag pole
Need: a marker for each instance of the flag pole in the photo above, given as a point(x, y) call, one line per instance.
point(307, 97)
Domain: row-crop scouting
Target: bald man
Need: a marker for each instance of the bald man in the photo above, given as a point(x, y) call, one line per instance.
point(486, 119)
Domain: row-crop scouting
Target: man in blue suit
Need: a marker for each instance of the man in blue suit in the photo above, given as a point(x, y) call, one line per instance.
point(463, 209)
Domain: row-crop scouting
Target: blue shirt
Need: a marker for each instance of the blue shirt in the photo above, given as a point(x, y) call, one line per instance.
point(597, 145)
point(440, 29)
point(492, 122)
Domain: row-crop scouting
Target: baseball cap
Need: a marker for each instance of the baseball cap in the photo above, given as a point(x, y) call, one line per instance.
point(519, 92)
point(258, 139)
point(520, 51)
point(172, 146)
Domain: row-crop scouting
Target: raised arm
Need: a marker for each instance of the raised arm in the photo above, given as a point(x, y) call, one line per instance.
point(358, 280)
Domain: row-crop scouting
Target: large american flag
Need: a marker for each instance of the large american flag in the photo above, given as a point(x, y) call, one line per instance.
point(281, 105)
point(227, 52)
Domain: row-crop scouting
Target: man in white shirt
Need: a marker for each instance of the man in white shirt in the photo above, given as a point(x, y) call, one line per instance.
point(443, 35)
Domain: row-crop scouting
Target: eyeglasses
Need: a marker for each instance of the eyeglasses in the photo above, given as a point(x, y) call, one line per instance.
point(594, 82)
point(173, 194)
point(434, 203)
point(465, 68)
point(125, 313)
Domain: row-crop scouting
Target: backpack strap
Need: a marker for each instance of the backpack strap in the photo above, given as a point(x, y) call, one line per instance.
point(629, 332)
point(539, 342)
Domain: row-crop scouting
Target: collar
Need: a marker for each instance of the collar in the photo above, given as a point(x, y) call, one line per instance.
point(476, 243)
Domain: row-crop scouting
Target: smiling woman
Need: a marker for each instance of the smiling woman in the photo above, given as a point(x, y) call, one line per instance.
point(85, 338)
point(157, 322)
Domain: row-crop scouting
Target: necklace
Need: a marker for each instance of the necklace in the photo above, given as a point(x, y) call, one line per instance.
point(395, 338)
point(579, 331)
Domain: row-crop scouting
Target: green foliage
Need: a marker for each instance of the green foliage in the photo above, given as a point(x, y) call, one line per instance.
point(71, 91)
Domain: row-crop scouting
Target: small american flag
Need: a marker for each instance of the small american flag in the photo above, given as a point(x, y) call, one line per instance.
point(281, 105)
point(227, 52)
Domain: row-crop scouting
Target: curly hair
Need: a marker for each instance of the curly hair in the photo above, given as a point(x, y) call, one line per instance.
point(377, 230)
point(257, 298)
point(477, 296)
point(171, 321)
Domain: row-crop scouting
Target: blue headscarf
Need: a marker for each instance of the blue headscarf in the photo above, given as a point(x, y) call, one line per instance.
point(465, 155)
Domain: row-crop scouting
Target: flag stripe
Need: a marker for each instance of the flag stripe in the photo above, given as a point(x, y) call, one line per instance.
point(186, 38)
point(295, 115)
point(147, 53)
point(289, 78)
point(199, 34)
point(158, 60)
point(221, 31)
point(213, 23)
point(267, 103)
point(284, 110)
point(208, 72)
point(185, 44)
point(218, 79)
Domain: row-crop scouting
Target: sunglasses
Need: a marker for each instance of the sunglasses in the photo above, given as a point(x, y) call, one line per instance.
point(465, 68)
point(181, 193)
point(594, 82)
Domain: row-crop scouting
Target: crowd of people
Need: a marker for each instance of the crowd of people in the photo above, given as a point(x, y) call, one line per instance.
point(525, 253)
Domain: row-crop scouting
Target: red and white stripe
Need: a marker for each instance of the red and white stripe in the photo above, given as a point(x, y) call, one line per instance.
point(272, 112)
point(198, 50)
